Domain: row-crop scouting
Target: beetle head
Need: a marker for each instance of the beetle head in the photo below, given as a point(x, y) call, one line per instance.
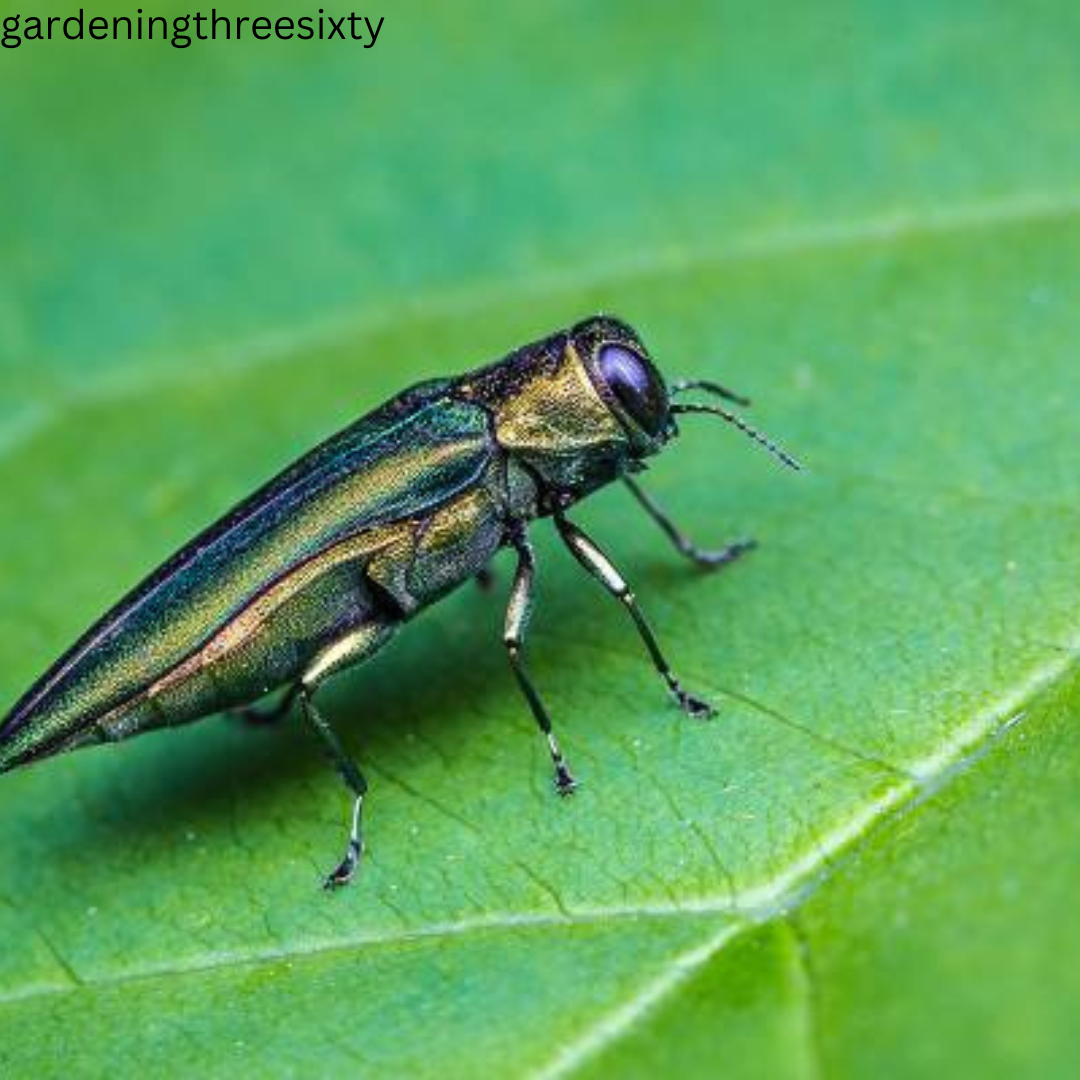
point(587, 405)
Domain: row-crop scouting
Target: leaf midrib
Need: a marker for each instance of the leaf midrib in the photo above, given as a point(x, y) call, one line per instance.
point(775, 898)
point(239, 357)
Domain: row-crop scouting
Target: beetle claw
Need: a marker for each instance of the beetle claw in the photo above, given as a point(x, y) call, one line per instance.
point(565, 784)
point(694, 707)
point(346, 869)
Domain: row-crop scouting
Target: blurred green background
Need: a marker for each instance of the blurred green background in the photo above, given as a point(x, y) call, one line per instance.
point(863, 214)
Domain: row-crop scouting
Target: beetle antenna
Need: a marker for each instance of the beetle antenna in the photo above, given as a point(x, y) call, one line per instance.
point(680, 386)
point(744, 427)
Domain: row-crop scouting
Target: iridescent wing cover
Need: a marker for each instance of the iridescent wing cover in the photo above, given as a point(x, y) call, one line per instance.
point(401, 461)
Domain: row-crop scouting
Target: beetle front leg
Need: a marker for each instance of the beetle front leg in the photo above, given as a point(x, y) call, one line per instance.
point(518, 612)
point(600, 567)
point(709, 560)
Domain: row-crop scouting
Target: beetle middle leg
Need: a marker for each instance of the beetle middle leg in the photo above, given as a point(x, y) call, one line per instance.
point(518, 611)
point(352, 648)
point(708, 559)
point(600, 567)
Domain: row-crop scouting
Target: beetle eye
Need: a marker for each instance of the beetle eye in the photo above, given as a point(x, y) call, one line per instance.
point(636, 385)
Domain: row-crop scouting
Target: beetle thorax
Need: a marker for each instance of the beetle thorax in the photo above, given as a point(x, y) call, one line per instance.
point(557, 425)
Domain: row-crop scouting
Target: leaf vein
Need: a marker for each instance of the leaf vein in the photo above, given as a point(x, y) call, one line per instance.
point(896, 226)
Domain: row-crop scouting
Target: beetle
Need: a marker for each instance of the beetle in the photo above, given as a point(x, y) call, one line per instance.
point(318, 569)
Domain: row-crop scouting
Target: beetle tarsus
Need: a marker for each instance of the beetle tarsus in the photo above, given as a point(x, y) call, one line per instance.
point(714, 559)
point(565, 784)
point(346, 871)
point(694, 707)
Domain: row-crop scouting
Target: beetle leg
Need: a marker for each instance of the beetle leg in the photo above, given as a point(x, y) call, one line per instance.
point(261, 717)
point(710, 560)
point(352, 648)
point(518, 611)
point(354, 779)
point(599, 565)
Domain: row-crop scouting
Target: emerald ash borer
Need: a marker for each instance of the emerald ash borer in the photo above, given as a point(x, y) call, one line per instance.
point(319, 568)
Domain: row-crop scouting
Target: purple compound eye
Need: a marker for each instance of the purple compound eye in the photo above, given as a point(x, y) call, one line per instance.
point(636, 385)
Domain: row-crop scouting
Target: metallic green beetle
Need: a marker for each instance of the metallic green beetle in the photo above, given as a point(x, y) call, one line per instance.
point(316, 570)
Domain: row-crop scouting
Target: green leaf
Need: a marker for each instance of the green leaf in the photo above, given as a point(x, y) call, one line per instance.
point(864, 216)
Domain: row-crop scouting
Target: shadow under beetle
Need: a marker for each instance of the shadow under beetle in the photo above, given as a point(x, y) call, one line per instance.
point(316, 570)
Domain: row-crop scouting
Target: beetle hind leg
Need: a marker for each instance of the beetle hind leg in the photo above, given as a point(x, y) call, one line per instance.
point(354, 647)
point(354, 780)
